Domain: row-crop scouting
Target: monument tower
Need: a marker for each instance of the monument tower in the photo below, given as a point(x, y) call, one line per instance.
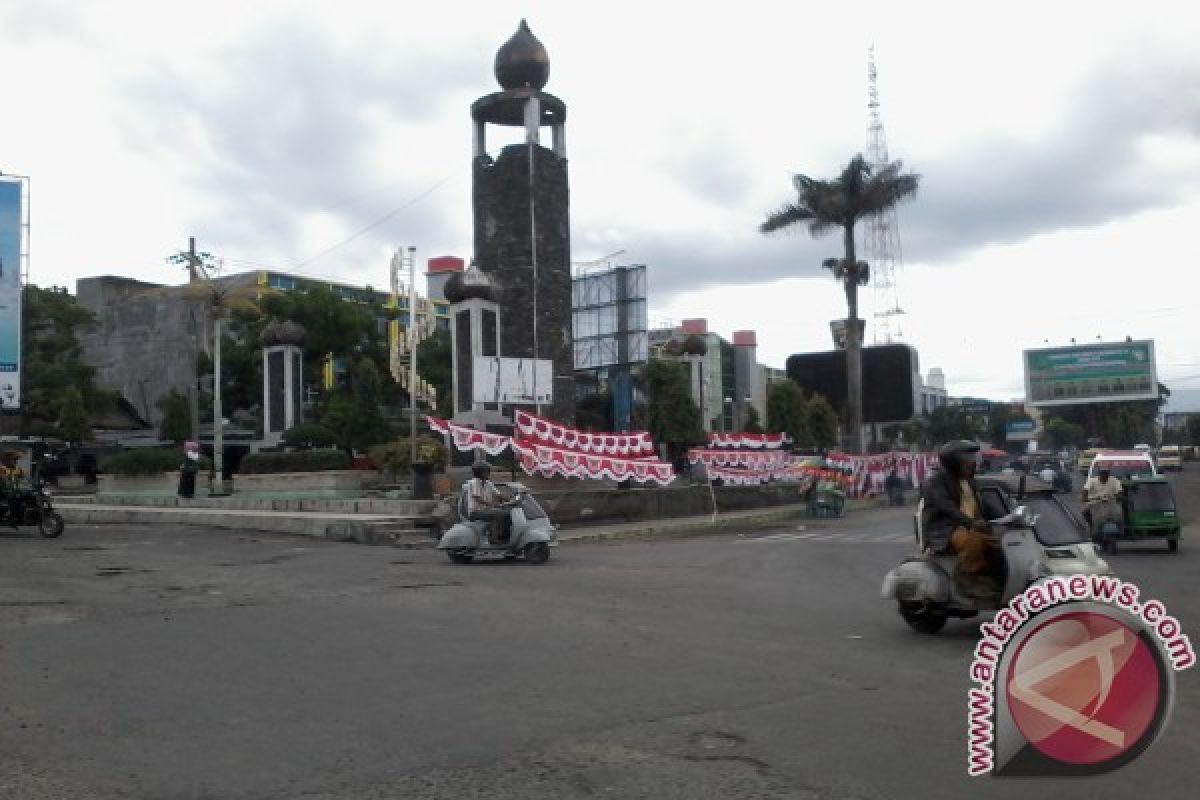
point(522, 225)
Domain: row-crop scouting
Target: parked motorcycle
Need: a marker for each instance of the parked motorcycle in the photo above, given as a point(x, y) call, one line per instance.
point(32, 507)
point(1038, 539)
point(530, 532)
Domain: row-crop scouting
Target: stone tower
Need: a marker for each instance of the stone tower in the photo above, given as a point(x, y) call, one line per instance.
point(522, 226)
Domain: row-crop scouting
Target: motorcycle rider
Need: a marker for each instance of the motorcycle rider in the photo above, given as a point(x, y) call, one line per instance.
point(484, 502)
point(952, 517)
point(1100, 487)
point(11, 476)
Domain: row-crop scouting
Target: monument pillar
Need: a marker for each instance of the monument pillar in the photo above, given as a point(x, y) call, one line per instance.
point(520, 201)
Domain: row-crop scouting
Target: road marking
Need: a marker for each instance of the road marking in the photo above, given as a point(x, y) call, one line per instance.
point(836, 537)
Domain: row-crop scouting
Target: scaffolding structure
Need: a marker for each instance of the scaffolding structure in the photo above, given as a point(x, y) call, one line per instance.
point(881, 233)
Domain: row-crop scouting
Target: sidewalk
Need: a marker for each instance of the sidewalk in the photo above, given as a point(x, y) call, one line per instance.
point(410, 531)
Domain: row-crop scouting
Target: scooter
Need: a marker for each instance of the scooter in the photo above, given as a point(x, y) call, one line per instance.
point(927, 589)
point(1108, 522)
point(32, 507)
point(530, 535)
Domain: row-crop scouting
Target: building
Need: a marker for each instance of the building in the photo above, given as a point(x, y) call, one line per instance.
point(146, 337)
point(727, 379)
point(933, 392)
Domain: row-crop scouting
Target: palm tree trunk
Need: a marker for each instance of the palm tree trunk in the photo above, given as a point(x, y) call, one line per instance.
point(854, 407)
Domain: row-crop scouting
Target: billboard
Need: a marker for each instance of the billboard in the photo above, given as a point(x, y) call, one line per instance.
point(523, 381)
point(12, 229)
point(609, 320)
point(891, 380)
point(1091, 373)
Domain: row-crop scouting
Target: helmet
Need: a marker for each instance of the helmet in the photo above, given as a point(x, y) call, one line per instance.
point(481, 469)
point(953, 453)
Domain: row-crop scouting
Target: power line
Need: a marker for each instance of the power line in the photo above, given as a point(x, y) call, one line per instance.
point(378, 222)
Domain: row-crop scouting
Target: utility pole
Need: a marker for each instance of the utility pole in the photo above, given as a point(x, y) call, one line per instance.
point(193, 386)
point(412, 355)
point(197, 265)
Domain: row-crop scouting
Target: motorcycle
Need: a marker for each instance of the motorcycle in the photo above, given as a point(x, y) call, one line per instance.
point(1107, 522)
point(32, 507)
point(530, 533)
point(928, 590)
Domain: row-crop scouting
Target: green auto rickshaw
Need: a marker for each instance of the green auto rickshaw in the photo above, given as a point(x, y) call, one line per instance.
point(1150, 512)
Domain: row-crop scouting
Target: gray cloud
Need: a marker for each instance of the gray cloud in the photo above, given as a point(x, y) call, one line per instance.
point(290, 128)
point(1089, 172)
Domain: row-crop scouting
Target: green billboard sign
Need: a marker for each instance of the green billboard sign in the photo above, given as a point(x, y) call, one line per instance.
point(1091, 373)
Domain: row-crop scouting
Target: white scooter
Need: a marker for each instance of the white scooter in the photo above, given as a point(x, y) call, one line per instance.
point(1108, 522)
point(1035, 546)
point(531, 534)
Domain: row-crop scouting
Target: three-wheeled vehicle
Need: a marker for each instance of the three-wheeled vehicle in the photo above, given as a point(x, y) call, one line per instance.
point(1147, 512)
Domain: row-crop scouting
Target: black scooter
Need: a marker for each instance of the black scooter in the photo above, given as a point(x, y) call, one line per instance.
point(32, 507)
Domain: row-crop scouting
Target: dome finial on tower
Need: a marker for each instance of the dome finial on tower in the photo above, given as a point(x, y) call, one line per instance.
point(522, 61)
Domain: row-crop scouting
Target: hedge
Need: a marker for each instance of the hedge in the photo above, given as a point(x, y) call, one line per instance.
point(145, 461)
point(298, 461)
point(309, 435)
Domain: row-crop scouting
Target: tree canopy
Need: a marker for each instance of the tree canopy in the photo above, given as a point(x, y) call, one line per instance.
point(859, 192)
point(671, 416)
point(787, 412)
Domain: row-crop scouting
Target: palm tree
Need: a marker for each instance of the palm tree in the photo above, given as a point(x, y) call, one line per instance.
point(859, 192)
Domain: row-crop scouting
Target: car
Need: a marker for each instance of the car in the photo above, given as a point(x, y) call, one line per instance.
point(1123, 464)
point(1170, 456)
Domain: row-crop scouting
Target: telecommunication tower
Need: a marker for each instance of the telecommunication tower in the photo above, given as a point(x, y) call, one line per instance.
point(881, 233)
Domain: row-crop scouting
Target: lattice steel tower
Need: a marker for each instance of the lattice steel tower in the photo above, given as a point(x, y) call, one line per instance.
point(881, 233)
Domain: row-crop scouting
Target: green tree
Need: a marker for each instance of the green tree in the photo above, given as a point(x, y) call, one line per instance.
point(51, 357)
point(951, 422)
point(752, 423)
point(1064, 434)
point(73, 418)
point(1193, 430)
point(1115, 424)
point(594, 412)
point(353, 412)
point(858, 193)
point(176, 424)
point(435, 366)
point(787, 412)
point(671, 416)
point(822, 422)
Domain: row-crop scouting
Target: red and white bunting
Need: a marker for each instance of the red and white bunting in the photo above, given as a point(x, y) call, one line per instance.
point(741, 458)
point(870, 471)
point(466, 439)
point(757, 441)
point(531, 427)
point(547, 461)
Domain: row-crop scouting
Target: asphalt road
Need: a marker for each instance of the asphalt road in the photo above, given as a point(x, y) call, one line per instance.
point(194, 664)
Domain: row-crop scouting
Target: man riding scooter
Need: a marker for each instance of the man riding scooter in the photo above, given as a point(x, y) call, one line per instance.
point(484, 502)
point(1099, 489)
point(952, 518)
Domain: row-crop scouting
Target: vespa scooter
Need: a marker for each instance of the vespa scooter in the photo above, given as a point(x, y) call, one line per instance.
point(530, 537)
point(926, 589)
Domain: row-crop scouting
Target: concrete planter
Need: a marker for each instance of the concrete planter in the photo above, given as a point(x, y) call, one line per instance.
point(333, 480)
point(161, 484)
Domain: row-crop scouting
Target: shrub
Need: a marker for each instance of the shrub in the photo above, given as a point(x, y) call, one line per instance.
point(308, 435)
point(298, 461)
point(394, 456)
point(145, 461)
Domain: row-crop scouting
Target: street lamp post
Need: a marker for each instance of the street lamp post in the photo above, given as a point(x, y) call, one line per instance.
point(412, 356)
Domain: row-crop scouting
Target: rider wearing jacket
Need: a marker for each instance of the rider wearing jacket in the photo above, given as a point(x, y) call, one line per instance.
point(952, 514)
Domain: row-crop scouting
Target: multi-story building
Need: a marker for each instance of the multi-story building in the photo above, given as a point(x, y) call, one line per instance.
point(727, 379)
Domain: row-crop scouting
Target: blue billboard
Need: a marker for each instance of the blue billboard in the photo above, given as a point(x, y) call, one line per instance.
point(11, 232)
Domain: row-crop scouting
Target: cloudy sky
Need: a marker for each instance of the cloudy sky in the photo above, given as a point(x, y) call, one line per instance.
point(1059, 151)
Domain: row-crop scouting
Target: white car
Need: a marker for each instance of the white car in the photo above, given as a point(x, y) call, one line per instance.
point(1170, 457)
